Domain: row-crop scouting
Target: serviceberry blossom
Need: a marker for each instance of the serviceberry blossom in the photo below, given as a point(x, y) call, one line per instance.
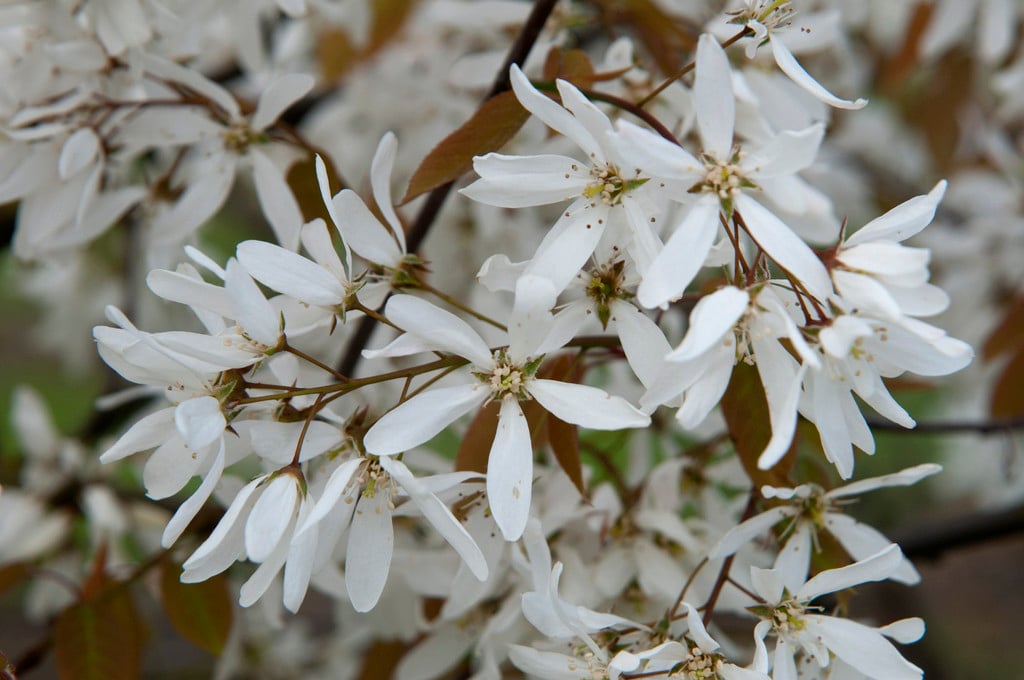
point(506, 375)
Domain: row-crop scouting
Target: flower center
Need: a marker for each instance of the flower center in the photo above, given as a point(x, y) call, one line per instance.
point(725, 179)
point(772, 14)
point(605, 285)
point(787, 617)
point(609, 185)
point(508, 379)
point(698, 665)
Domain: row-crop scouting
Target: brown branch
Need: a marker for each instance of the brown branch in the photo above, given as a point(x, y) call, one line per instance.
point(985, 427)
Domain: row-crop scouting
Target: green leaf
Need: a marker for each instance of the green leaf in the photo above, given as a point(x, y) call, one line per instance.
point(99, 639)
point(494, 123)
point(201, 612)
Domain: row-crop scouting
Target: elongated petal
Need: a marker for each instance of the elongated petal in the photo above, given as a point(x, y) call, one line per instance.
point(289, 273)
point(792, 68)
point(682, 257)
point(445, 331)
point(586, 406)
point(380, 182)
point(716, 104)
point(711, 321)
point(570, 242)
point(200, 421)
point(550, 665)
point(417, 420)
point(279, 95)
point(188, 290)
point(785, 247)
point(253, 311)
point(371, 543)
point(905, 477)
point(746, 531)
point(553, 115)
point(363, 233)
point(336, 486)
point(145, 434)
point(220, 549)
point(782, 379)
point(510, 471)
point(521, 181)
point(79, 150)
point(643, 341)
point(863, 648)
point(903, 221)
point(786, 153)
point(273, 512)
point(276, 200)
point(904, 631)
point(187, 511)
point(877, 567)
point(438, 514)
point(655, 156)
point(299, 567)
point(861, 541)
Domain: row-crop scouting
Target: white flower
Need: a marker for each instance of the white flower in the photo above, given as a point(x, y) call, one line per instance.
point(724, 177)
point(789, 617)
point(261, 523)
point(811, 509)
point(361, 495)
point(876, 275)
point(770, 20)
point(505, 375)
point(607, 186)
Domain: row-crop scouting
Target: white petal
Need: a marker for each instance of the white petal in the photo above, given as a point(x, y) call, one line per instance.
point(904, 631)
point(521, 181)
point(417, 420)
point(682, 257)
point(371, 543)
point(187, 511)
point(877, 567)
point(188, 290)
point(786, 153)
point(272, 514)
point(79, 150)
point(697, 630)
point(782, 379)
point(716, 104)
point(279, 95)
point(785, 247)
point(299, 567)
point(220, 544)
point(767, 583)
point(363, 233)
point(570, 242)
point(711, 321)
point(586, 406)
point(200, 421)
point(903, 221)
point(863, 648)
point(144, 434)
point(642, 340)
point(861, 541)
point(792, 68)
point(746, 531)
point(553, 115)
point(794, 559)
point(905, 477)
point(438, 514)
point(289, 273)
point(255, 314)
point(550, 665)
point(336, 485)
point(276, 200)
point(655, 156)
point(317, 241)
point(510, 471)
point(380, 182)
point(445, 331)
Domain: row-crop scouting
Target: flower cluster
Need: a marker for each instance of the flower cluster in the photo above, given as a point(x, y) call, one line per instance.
point(639, 419)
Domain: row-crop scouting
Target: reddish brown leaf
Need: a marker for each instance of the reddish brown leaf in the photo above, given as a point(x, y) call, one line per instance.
point(746, 415)
point(1008, 393)
point(335, 54)
point(381, 659)
point(476, 443)
point(97, 580)
point(302, 181)
point(1009, 334)
point(389, 17)
point(572, 65)
point(99, 639)
point(565, 443)
point(11, 575)
point(201, 612)
point(494, 123)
